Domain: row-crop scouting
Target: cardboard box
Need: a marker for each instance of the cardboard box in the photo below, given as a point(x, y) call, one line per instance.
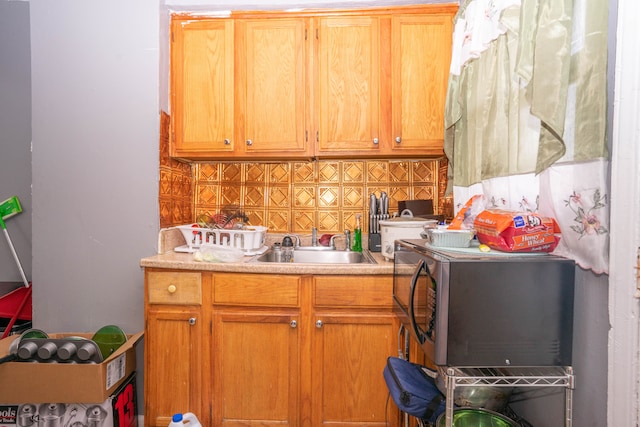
point(63, 382)
point(118, 410)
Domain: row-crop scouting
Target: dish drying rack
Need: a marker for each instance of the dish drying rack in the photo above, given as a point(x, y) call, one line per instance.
point(250, 239)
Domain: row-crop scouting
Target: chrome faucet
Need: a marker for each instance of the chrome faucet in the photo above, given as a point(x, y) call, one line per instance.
point(347, 237)
point(332, 243)
point(314, 236)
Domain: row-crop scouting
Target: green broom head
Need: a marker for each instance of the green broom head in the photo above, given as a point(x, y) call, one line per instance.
point(9, 208)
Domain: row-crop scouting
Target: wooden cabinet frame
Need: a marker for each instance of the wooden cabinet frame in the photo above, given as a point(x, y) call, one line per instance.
point(279, 350)
point(345, 83)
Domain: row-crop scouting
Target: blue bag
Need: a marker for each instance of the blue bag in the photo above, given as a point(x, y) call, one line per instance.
point(413, 391)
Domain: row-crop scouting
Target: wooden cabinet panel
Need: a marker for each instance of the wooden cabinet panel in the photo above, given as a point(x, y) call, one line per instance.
point(354, 332)
point(349, 81)
point(170, 287)
point(256, 368)
point(202, 103)
point(256, 290)
point(421, 52)
point(367, 291)
point(175, 336)
point(173, 365)
point(349, 353)
point(271, 87)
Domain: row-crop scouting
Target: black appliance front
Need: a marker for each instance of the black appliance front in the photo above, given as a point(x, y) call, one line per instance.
point(485, 310)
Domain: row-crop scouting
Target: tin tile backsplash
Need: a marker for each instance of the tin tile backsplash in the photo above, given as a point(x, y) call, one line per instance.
point(293, 196)
point(175, 196)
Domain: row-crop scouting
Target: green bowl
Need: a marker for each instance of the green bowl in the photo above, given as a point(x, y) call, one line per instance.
point(475, 417)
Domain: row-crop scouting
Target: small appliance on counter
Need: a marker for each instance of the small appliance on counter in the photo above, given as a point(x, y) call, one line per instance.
point(468, 308)
point(420, 209)
point(406, 226)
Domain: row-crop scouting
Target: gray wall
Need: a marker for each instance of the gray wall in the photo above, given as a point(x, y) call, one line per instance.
point(545, 407)
point(94, 126)
point(15, 134)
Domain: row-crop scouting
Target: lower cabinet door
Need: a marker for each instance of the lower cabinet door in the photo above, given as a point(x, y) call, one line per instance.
point(256, 368)
point(174, 365)
point(348, 355)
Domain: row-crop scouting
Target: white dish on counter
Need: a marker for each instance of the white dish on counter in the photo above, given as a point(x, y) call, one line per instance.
point(443, 237)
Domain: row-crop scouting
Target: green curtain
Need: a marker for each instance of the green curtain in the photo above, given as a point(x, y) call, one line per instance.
point(535, 96)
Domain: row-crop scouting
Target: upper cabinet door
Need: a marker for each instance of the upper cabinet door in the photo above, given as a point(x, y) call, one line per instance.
point(420, 56)
point(349, 85)
point(270, 87)
point(202, 81)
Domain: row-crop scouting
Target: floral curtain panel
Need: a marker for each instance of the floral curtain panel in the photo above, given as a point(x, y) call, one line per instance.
point(526, 115)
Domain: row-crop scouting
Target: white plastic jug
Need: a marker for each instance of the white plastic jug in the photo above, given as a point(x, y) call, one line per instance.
point(185, 420)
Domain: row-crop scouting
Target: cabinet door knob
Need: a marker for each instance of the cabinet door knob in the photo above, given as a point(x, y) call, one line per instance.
point(172, 289)
point(294, 324)
point(398, 140)
point(319, 324)
point(227, 142)
point(192, 321)
point(376, 141)
point(249, 142)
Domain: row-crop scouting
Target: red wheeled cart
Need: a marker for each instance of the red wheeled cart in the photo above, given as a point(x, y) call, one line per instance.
point(16, 304)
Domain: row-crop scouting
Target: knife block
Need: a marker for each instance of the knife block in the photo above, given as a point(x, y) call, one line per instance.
point(375, 243)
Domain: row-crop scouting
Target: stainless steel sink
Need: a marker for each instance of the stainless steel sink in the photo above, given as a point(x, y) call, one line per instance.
point(302, 256)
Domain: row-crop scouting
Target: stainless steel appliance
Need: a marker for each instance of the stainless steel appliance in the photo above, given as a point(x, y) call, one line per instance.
point(468, 308)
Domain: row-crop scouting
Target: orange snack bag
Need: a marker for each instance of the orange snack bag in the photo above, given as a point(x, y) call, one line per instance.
point(512, 231)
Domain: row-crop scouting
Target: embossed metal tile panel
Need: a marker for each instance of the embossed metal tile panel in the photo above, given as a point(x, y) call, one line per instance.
point(296, 196)
point(175, 192)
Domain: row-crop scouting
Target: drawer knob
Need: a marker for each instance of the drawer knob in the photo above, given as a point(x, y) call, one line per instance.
point(319, 324)
point(294, 324)
point(398, 140)
point(172, 289)
point(192, 321)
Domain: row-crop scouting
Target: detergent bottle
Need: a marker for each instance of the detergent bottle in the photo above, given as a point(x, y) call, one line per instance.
point(357, 236)
point(185, 420)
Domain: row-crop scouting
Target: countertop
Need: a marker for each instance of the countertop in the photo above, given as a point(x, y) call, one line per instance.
point(167, 258)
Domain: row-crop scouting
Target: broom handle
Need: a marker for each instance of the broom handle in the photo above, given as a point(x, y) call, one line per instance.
point(15, 255)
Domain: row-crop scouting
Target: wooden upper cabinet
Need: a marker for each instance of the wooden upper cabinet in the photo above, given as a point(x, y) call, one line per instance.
point(421, 54)
point(342, 84)
point(271, 87)
point(348, 85)
point(202, 81)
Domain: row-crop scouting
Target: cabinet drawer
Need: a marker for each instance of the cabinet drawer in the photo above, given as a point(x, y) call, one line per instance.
point(256, 290)
point(353, 291)
point(169, 287)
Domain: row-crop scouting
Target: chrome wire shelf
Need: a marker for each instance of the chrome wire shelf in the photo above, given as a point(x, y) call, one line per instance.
point(534, 376)
point(516, 376)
